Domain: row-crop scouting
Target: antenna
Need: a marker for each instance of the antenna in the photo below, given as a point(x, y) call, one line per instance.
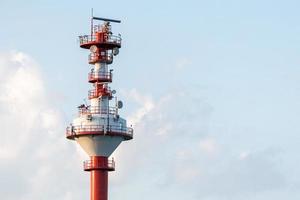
point(106, 19)
point(92, 25)
point(85, 102)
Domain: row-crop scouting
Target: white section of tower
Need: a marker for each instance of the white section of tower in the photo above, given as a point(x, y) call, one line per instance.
point(100, 68)
point(100, 145)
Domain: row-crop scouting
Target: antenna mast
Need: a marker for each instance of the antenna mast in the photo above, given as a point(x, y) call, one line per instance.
point(92, 24)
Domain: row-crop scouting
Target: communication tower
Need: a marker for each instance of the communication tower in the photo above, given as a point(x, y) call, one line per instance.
point(99, 129)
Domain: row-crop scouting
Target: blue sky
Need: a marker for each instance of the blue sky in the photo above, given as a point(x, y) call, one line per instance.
point(211, 87)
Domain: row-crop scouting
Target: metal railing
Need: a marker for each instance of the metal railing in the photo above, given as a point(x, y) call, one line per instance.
point(101, 28)
point(97, 110)
point(103, 91)
point(100, 76)
point(96, 58)
point(99, 130)
point(84, 39)
point(99, 164)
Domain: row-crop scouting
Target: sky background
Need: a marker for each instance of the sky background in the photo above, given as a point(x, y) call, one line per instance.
point(211, 88)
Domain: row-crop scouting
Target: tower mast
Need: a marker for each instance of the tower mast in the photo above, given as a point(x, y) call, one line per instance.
point(99, 129)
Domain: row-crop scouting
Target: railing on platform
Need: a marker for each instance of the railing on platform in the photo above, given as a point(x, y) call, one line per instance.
point(99, 164)
point(99, 130)
point(101, 92)
point(84, 39)
point(100, 76)
point(93, 58)
point(97, 110)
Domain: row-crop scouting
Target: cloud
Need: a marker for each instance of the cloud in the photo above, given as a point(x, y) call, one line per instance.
point(174, 148)
point(34, 155)
point(175, 152)
point(182, 63)
point(146, 103)
point(209, 146)
point(20, 105)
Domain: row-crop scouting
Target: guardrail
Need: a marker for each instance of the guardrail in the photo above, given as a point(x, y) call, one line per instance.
point(97, 110)
point(99, 164)
point(72, 131)
point(93, 58)
point(95, 94)
point(84, 39)
point(100, 76)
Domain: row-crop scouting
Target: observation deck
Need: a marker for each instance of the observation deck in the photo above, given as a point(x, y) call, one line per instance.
point(107, 165)
point(104, 130)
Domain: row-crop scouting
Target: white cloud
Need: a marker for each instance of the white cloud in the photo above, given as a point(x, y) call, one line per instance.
point(182, 63)
point(174, 148)
point(209, 146)
point(34, 154)
point(244, 155)
point(146, 103)
point(20, 99)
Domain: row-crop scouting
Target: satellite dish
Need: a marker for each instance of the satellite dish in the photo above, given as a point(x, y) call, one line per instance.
point(116, 51)
point(113, 92)
point(93, 48)
point(120, 104)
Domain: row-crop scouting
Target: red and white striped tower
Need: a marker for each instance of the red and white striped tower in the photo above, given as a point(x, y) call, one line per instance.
point(99, 129)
